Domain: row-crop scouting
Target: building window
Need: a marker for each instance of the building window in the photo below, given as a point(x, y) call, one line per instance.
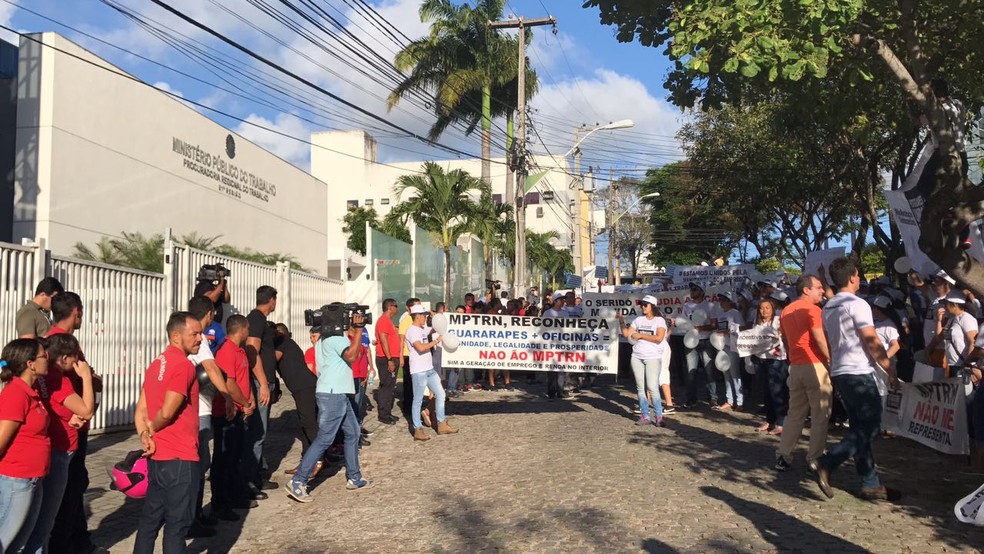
point(497, 199)
point(539, 212)
point(368, 201)
point(532, 198)
point(353, 204)
point(548, 195)
point(384, 201)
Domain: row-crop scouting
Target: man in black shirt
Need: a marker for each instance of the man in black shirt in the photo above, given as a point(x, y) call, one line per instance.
point(261, 351)
point(217, 292)
point(301, 383)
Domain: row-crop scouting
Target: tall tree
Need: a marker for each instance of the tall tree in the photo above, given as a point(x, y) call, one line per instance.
point(469, 69)
point(440, 203)
point(718, 47)
point(354, 225)
point(490, 223)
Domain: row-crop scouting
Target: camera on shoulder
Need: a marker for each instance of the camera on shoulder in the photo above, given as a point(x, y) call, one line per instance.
point(493, 285)
point(333, 319)
point(213, 273)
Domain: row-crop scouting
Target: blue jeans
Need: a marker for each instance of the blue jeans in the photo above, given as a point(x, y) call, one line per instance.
point(646, 374)
point(732, 381)
point(864, 409)
point(334, 412)
point(776, 374)
point(53, 487)
point(703, 355)
point(256, 429)
point(170, 502)
point(431, 379)
point(20, 503)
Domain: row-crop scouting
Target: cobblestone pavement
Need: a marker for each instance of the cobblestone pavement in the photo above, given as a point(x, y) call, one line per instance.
point(530, 475)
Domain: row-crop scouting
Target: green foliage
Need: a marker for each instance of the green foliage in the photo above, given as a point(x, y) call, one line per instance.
point(872, 260)
point(354, 225)
point(546, 257)
point(493, 224)
point(147, 253)
point(767, 265)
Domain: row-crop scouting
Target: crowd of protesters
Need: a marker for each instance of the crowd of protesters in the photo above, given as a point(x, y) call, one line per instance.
point(204, 407)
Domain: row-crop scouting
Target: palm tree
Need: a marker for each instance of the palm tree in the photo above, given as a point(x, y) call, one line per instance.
point(464, 64)
point(546, 257)
point(441, 204)
point(490, 223)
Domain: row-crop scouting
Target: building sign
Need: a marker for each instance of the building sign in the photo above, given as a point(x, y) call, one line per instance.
point(232, 179)
point(532, 343)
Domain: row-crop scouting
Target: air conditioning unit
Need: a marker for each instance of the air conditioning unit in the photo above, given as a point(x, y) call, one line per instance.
point(547, 195)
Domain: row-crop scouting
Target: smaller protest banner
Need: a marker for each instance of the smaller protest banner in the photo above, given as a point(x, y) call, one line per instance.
point(710, 275)
point(821, 258)
point(533, 343)
point(933, 414)
point(757, 340)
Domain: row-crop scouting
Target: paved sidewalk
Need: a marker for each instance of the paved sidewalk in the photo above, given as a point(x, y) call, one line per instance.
point(530, 475)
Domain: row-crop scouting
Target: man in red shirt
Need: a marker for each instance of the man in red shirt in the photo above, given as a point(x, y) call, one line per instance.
point(167, 423)
point(388, 351)
point(810, 390)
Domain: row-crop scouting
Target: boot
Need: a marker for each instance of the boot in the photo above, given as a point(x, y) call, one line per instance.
point(420, 435)
point(444, 429)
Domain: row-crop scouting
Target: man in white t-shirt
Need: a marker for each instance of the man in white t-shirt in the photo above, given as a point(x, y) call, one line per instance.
point(202, 309)
point(700, 310)
point(420, 345)
point(855, 351)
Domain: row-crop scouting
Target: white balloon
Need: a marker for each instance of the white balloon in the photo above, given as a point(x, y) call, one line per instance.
point(440, 323)
point(903, 265)
point(719, 340)
point(749, 366)
point(632, 341)
point(722, 361)
point(691, 339)
point(683, 323)
point(450, 343)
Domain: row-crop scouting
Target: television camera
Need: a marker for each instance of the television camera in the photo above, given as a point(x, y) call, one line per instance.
point(333, 319)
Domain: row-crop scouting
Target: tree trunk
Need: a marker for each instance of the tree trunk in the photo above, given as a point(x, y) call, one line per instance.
point(510, 174)
point(447, 276)
point(487, 134)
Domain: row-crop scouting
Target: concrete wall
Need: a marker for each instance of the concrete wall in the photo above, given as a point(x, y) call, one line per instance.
point(98, 154)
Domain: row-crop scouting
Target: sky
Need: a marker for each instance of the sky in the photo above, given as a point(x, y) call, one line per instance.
point(586, 76)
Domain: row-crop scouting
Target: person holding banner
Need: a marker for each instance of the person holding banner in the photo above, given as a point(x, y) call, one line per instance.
point(956, 329)
point(704, 317)
point(647, 333)
point(772, 365)
point(423, 375)
point(728, 318)
point(856, 353)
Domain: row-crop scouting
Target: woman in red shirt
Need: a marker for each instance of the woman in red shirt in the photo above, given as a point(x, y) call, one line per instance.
point(25, 450)
point(68, 412)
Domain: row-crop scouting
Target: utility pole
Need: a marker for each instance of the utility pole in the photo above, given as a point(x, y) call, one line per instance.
point(614, 275)
point(519, 158)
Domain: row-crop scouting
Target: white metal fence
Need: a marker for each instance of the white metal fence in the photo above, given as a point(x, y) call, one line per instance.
point(125, 310)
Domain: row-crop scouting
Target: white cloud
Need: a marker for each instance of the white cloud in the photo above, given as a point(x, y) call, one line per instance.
point(294, 151)
point(166, 87)
point(6, 17)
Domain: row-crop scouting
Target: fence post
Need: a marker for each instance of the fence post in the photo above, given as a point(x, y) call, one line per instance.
point(170, 273)
point(42, 261)
point(284, 292)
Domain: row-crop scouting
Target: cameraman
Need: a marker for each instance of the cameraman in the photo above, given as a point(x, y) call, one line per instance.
point(212, 285)
point(335, 354)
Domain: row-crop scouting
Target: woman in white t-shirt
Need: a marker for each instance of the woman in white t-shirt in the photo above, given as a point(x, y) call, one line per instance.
point(887, 329)
point(773, 366)
point(959, 333)
point(729, 318)
point(648, 335)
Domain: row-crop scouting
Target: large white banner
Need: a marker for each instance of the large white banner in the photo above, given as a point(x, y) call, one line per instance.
point(710, 275)
point(908, 226)
point(533, 343)
point(934, 414)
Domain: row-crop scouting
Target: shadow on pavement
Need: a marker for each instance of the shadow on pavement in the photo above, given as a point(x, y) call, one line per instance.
point(783, 531)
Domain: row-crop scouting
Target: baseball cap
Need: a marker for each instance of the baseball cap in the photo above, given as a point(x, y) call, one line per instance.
point(956, 297)
point(882, 302)
point(945, 276)
point(779, 295)
point(419, 309)
point(650, 299)
point(726, 296)
point(557, 295)
point(695, 286)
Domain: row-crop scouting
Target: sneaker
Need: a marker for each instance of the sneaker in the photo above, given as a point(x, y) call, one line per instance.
point(354, 485)
point(366, 432)
point(669, 410)
point(782, 464)
point(658, 422)
point(643, 421)
point(637, 411)
point(298, 492)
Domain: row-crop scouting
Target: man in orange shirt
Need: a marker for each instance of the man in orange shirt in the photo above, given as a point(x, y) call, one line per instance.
point(810, 391)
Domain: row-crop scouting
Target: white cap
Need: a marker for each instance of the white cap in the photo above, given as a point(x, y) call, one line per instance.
point(650, 299)
point(956, 297)
point(946, 277)
point(419, 309)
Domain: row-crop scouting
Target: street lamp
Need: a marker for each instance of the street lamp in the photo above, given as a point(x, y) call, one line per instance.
point(578, 214)
point(614, 267)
